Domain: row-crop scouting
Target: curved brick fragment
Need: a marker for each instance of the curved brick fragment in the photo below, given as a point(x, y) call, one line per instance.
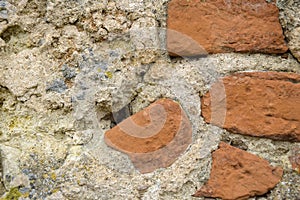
point(237, 174)
point(164, 157)
point(226, 26)
point(263, 104)
point(154, 137)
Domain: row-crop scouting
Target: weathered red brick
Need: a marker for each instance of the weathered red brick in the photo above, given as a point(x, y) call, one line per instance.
point(154, 137)
point(263, 104)
point(237, 174)
point(224, 26)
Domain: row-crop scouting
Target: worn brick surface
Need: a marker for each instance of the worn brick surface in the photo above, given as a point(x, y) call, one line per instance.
point(154, 137)
point(264, 104)
point(237, 174)
point(224, 26)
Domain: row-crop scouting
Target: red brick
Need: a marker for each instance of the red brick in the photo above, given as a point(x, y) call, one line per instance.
point(154, 137)
point(263, 104)
point(224, 26)
point(237, 174)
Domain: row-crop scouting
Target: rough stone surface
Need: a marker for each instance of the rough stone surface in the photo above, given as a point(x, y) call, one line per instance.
point(295, 159)
point(294, 42)
point(290, 20)
point(153, 137)
point(237, 174)
point(264, 104)
point(226, 26)
point(67, 67)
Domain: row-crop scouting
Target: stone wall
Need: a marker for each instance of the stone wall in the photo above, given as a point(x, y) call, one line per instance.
point(137, 99)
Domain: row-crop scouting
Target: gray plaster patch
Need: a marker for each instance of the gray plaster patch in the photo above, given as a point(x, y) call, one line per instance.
point(57, 86)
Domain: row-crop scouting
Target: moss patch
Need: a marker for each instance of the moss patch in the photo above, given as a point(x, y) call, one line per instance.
point(13, 194)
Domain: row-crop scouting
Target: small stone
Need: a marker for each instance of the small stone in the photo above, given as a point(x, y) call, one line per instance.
point(2, 43)
point(154, 137)
point(225, 26)
point(262, 104)
point(3, 15)
point(10, 165)
point(68, 72)
point(20, 180)
point(294, 42)
point(295, 159)
point(2, 4)
point(237, 174)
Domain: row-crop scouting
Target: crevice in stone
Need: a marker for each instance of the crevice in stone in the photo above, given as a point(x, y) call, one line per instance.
point(4, 93)
point(126, 111)
point(120, 115)
point(295, 81)
point(2, 188)
point(16, 39)
point(7, 34)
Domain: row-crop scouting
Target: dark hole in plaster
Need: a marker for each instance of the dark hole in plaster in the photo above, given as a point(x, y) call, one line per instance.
point(4, 92)
point(121, 114)
point(118, 116)
point(11, 31)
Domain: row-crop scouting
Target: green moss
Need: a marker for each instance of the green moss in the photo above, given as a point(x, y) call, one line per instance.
point(54, 190)
point(108, 74)
point(20, 121)
point(25, 195)
point(13, 194)
point(53, 176)
point(12, 124)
